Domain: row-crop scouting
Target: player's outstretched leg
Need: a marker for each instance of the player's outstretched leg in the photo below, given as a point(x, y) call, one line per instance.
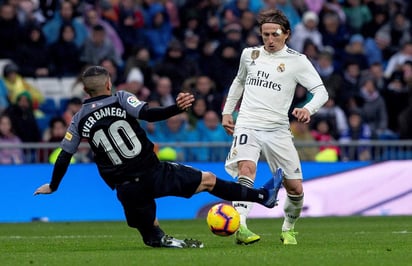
point(272, 186)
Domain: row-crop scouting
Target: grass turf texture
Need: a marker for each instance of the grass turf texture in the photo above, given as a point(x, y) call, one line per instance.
point(322, 241)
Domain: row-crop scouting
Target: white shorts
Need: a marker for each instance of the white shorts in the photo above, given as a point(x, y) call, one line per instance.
point(276, 146)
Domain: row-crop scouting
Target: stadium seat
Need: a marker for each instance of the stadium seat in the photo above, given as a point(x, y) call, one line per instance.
point(49, 107)
point(50, 87)
point(66, 84)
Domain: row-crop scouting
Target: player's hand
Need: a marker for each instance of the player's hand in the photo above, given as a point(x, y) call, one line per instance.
point(228, 124)
point(44, 189)
point(302, 114)
point(184, 100)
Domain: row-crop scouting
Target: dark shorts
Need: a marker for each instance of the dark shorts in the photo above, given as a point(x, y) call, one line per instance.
point(168, 179)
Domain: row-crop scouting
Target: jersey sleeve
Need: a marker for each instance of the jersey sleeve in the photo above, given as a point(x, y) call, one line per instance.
point(130, 102)
point(72, 138)
point(236, 88)
point(309, 78)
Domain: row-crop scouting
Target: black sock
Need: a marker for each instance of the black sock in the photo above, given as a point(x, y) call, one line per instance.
point(233, 191)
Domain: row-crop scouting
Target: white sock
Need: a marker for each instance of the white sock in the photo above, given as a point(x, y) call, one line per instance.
point(244, 207)
point(292, 208)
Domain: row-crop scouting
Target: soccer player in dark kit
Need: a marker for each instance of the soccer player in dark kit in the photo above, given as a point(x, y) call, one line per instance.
point(126, 160)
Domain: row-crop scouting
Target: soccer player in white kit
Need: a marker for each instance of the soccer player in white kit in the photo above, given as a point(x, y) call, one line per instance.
point(265, 84)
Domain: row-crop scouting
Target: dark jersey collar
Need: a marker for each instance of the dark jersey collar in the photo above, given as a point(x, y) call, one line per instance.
point(96, 98)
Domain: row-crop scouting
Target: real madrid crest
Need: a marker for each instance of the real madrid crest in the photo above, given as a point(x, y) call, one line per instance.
point(281, 67)
point(254, 55)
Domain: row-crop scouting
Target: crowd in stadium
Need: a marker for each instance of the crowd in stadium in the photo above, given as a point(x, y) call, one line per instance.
point(361, 48)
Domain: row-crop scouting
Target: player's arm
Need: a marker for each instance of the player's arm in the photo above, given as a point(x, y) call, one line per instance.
point(153, 114)
point(235, 93)
point(59, 170)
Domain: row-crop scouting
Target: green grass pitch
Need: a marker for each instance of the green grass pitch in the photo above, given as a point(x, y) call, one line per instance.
point(374, 241)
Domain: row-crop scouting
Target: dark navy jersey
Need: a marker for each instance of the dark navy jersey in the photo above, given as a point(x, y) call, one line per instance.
point(121, 148)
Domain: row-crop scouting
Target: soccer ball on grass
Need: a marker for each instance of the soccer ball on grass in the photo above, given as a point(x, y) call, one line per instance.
point(223, 219)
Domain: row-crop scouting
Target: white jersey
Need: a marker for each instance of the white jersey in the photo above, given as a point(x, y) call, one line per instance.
point(267, 83)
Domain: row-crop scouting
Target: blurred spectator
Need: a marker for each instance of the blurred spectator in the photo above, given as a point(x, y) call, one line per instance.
point(310, 50)
point(211, 130)
point(334, 33)
point(163, 92)
point(398, 59)
point(379, 6)
point(234, 9)
point(307, 29)
point(225, 65)
point(16, 85)
point(28, 13)
point(4, 97)
point(33, 56)
point(375, 72)
point(252, 39)
point(335, 116)
point(176, 66)
point(53, 134)
point(350, 92)
point(140, 59)
point(374, 111)
point(91, 19)
point(334, 6)
point(331, 77)
point(24, 122)
point(64, 15)
point(10, 31)
point(205, 87)
point(114, 72)
point(248, 24)
point(191, 44)
point(97, 47)
point(207, 57)
point(355, 51)
point(232, 33)
point(396, 96)
point(379, 18)
point(321, 133)
point(399, 30)
point(49, 8)
point(314, 6)
point(357, 131)
point(197, 112)
point(357, 15)
point(405, 122)
point(378, 49)
point(174, 130)
point(157, 31)
point(65, 54)
point(7, 136)
point(407, 73)
point(191, 23)
point(301, 132)
point(72, 107)
point(287, 8)
point(129, 22)
point(135, 84)
point(172, 11)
